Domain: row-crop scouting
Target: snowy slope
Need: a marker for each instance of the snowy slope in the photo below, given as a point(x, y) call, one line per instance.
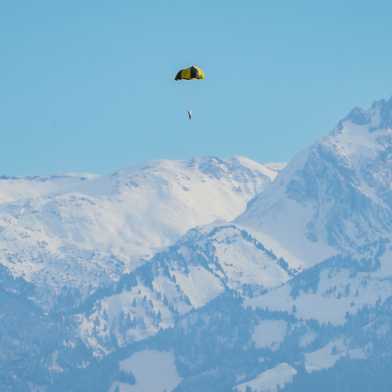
point(81, 233)
point(271, 380)
point(154, 371)
point(333, 197)
point(184, 278)
point(17, 188)
point(334, 290)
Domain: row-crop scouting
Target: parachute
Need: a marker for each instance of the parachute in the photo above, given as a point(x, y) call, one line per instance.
point(191, 73)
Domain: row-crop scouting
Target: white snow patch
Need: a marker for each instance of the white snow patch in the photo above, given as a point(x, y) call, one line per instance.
point(154, 371)
point(281, 225)
point(271, 380)
point(199, 285)
point(243, 263)
point(338, 294)
point(270, 170)
point(269, 334)
point(327, 356)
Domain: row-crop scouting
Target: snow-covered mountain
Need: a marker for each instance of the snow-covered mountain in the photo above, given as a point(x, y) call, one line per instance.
point(198, 268)
point(206, 275)
point(333, 197)
point(83, 232)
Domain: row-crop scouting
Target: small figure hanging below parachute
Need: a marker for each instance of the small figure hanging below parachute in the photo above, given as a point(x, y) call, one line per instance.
point(191, 73)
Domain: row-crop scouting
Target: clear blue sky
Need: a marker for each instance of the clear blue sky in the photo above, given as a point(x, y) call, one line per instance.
point(88, 85)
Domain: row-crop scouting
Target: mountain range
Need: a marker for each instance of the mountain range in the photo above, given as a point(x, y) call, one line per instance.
point(205, 275)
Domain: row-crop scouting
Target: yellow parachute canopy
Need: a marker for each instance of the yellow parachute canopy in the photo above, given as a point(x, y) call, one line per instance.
point(190, 73)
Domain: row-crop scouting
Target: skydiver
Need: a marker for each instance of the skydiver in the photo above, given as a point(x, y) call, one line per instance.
point(189, 114)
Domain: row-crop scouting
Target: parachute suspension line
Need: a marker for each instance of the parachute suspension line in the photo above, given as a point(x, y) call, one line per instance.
point(187, 100)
